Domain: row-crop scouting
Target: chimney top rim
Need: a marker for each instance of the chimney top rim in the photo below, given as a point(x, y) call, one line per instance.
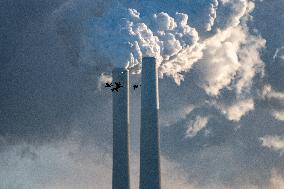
point(149, 58)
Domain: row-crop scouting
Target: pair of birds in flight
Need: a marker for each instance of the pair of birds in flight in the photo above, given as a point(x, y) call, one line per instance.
point(118, 85)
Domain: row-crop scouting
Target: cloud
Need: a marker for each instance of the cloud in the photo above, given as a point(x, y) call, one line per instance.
point(71, 164)
point(104, 78)
point(275, 143)
point(276, 180)
point(268, 92)
point(230, 56)
point(237, 110)
point(195, 126)
point(275, 99)
point(220, 53)
point(64, 164)
point(279, 54)
point(212, 15)
point(279, 115)
point(168, 118)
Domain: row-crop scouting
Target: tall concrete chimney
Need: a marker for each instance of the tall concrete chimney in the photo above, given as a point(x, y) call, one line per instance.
point(120, 172)
point(149, 134)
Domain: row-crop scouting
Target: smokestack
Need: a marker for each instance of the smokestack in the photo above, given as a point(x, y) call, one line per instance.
point(120, 172)
point(149, 135)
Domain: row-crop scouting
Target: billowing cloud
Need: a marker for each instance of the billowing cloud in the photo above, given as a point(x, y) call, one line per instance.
point(176, 45)
point(228, 59)
point(212, 14)
point(230, 56)
point(122, 37)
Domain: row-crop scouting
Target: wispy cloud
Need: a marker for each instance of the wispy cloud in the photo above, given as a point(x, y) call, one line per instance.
point(195, 126)
point(275, 143)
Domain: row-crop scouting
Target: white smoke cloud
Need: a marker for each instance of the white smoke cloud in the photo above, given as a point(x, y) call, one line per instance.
point(227, 58)
point(275, 143)
point(123, 37)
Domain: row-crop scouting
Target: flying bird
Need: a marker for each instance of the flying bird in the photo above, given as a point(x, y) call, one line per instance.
point(135, 87)
point(108, 85)
point(117, 86)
